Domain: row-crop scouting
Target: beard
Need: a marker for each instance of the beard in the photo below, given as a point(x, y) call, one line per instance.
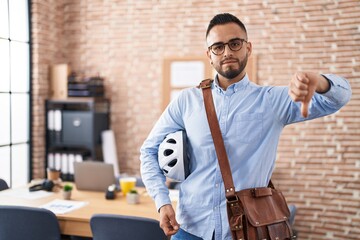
point(232, 72)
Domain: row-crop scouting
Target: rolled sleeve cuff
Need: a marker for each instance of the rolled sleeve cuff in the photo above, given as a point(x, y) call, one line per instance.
point(161, 200)
point(335, 82)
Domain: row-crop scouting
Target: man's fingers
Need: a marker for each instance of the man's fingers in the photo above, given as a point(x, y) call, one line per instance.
point(301, 82)
point(297, 95)
point(298, 87)
point(169, 229)
point(168, 221)
point(174, 225)
point(301, 77)
point(302, 88)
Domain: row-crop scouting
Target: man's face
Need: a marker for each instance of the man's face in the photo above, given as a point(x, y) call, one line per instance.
point(230, 64)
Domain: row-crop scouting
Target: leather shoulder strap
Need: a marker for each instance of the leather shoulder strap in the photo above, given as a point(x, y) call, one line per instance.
point(205, 85)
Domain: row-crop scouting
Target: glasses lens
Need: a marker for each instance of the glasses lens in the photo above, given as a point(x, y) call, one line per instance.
point(235, 45)
point(218, 48)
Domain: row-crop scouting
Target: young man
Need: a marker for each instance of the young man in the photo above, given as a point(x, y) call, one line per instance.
point(251, 119)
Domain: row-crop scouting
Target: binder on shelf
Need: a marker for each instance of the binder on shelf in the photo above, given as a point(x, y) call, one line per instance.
point(64, 166)
point(51, 161)
point(71, 159)
point(50, 125)
point(58, 161)
point(57, 125)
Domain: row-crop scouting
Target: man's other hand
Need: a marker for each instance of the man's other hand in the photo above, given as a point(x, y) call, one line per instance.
point(168, 221)
point(303, 86)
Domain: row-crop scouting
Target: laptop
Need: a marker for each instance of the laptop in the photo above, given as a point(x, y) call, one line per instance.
point(93, 176)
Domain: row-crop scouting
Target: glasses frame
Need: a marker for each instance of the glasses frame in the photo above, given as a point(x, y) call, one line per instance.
point(227, 43)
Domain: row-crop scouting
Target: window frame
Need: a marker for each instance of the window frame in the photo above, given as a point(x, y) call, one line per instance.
point(10, 93)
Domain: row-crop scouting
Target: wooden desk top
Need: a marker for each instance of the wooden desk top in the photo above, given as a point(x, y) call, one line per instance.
point(77, 222)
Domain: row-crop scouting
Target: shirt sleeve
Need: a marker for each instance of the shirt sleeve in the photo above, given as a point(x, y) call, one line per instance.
point(340, 90)
point(170, 121)
point(323, 104)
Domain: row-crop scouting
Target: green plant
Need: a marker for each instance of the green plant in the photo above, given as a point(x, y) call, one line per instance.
point(68, 187)
point(133, 191)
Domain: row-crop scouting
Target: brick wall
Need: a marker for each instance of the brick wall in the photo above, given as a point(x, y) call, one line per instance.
point(47, 48)
point(318, 165)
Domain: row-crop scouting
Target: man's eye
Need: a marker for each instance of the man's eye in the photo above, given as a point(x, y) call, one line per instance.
point(235, 44)
point(218, 47)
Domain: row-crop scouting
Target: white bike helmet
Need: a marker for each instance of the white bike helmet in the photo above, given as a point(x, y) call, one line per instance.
point(173, 158)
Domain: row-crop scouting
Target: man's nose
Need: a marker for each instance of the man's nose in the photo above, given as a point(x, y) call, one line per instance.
point(227, 50)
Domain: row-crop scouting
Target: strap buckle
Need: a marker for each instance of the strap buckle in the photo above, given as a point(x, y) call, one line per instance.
point(232, 199)
point(206, 83)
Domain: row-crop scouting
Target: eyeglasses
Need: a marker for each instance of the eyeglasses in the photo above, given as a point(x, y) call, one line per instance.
point(234, 45)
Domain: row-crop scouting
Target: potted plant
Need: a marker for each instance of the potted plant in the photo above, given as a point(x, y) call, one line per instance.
point(67, 191)
point(132, 196)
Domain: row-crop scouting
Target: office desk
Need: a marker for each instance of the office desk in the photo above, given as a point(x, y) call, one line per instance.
point(77, 222)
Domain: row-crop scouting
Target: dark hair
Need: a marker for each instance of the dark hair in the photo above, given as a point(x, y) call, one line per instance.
point(224, 18)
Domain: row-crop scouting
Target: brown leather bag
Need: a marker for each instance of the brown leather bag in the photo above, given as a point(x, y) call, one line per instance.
point(253, 214)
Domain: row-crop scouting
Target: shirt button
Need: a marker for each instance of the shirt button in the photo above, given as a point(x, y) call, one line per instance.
point(215, 208)
point(217, 185)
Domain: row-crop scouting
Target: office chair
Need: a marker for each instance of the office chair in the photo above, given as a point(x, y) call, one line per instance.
point(292, 209)
point(3, 185)
point(19, 223)
point(119, 227)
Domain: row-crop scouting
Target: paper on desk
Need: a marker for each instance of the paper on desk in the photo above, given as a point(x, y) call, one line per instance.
point(58, 206)
point(24, 193)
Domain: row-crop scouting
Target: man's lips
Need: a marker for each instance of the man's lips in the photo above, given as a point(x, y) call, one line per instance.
point(229, 61)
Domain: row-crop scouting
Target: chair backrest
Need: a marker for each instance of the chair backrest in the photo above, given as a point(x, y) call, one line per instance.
point(292, 209)
point(3, 185)
point(119, 227)
point(18, 223)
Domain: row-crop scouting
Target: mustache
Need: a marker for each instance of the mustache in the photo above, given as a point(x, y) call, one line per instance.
point(229, 59)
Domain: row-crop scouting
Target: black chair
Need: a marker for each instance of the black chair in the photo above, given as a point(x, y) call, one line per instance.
point(19, 223)
point(119, 227)
point(293, 210)
point(3, 185)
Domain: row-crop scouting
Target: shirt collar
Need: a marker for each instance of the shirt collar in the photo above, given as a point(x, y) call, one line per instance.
point(233, 87)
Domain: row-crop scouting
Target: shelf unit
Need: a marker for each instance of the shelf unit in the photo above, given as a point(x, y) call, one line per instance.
point(73, 131)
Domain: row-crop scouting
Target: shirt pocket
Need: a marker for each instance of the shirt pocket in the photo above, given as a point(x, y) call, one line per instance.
point(249, 127)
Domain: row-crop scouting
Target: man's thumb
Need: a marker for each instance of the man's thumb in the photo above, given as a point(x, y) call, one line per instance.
point(304, 109)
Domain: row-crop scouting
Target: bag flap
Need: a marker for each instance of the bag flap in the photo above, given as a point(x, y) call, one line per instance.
point(265, 209)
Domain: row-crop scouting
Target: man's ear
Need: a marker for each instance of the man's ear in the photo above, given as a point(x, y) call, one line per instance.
point(249, 48)
point(208, 53)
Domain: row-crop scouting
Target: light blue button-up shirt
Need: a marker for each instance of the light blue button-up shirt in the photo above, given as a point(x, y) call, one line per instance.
point(251, 119)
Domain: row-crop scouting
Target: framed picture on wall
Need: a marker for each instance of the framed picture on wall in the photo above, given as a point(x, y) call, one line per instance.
point(185, 72)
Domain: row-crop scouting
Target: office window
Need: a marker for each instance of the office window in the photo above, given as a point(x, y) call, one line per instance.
point(14, 92)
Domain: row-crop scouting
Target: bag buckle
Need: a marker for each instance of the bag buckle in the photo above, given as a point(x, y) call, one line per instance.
point(205, 83)
point(232, 199)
